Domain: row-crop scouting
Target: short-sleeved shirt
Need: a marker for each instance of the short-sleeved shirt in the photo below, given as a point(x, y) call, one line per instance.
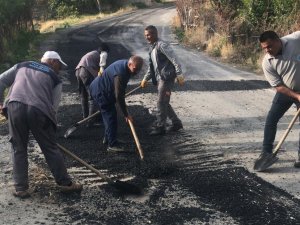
point(284, 69)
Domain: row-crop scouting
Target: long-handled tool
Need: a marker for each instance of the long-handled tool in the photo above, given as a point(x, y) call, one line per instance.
point(136, 139)
point(120, 185)
point(74, 127)
point(268, 160)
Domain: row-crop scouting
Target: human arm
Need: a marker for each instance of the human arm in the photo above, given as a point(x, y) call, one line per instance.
point(57, 96)
point(7, 78)
point(102, 62)
point(287, 91)
point(169, 53)
point(120, 94)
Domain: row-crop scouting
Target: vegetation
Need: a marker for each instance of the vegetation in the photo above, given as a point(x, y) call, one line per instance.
point(230, 28)
point(23, 23)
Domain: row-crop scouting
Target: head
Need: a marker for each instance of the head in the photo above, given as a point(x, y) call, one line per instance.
point(103, 47)
point(53, 59)
point(135, 64)
point(270, 42)
point(151, 34)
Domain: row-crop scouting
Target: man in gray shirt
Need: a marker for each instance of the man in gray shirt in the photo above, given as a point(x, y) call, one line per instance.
point(31, 105)
point(89, 66)
point(163, 70)
point(281, 66)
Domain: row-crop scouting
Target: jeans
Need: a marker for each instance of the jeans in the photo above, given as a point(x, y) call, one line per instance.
point(281, 103)
point(110, 120)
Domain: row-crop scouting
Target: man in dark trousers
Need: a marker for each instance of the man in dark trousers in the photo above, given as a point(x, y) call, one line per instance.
point(90, 65)
point(281, 66)
point(108, 89)
point(31, 105)
point(163, 70)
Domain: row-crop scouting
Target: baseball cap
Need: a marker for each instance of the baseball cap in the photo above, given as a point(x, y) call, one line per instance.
point(53, 55)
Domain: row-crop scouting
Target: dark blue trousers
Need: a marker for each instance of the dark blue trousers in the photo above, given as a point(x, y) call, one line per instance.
point(281, 103)
point(110, 120)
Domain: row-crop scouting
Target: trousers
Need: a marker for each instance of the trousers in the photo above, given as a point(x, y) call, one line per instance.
point(164, 109)
point(22, 119)
point(280, 104)
point(84, 79)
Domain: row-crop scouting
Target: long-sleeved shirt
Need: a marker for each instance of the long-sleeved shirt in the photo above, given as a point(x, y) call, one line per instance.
point(34, 84)
point(164, 49)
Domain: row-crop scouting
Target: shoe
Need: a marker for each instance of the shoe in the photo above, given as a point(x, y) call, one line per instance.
point(116, 148)
point(297, 163)
point(158, 131)
point(175, 127)
point(21, 194)
point(73, 187)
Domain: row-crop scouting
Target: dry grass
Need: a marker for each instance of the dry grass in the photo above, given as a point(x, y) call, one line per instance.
point(176, 21)
point(52, 25)
point(196, 36)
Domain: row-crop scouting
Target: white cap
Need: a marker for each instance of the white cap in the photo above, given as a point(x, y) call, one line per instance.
point(53, 55)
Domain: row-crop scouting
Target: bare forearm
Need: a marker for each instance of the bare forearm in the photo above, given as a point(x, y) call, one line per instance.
point(289, 92)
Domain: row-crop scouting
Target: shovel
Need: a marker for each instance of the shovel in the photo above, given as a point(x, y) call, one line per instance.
point(268, 160)
point(74, 127)
point(120, 185)
point(136, 139)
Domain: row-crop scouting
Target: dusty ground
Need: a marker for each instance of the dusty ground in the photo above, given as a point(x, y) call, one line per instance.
point(201, 175)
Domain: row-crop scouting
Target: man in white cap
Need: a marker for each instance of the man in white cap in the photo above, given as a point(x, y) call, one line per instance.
point(31, 105)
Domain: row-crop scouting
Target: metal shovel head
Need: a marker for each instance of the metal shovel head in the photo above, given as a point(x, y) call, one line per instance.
point(265, 162)
point(126, 188)
point(69, 131)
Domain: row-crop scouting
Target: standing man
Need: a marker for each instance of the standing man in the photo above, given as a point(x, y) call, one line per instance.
point(108, 89)
point(163, 69)
point(281, 66)
point(90, 65)
point(31, 105)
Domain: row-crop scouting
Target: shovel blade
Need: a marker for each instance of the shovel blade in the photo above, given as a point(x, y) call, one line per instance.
point(126, 188)
point(69, 131)
point(265, 162)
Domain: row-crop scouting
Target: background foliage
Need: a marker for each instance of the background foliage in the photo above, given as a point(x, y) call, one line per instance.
point(230, 28)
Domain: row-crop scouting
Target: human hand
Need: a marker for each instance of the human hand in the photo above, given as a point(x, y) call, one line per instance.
point(144, 83)
point(180, 79)
point(127, 118)
point(100, 72)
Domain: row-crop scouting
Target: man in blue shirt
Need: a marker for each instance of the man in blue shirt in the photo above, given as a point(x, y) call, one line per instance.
point(109, 89)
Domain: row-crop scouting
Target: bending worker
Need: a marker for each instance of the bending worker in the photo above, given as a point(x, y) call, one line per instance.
point(281, 66)
point(163, 69)
point(90, 65)
point(108, 89)
point(31, 105)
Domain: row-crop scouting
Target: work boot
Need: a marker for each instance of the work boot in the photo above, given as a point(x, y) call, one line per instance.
point(158, 131)
point(73, 187)
point(21, 194)
point(297, 162)
point(117, 147)
point(175, 127)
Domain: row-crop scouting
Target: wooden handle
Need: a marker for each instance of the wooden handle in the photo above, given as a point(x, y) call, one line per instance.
point(136, 139)
point(88, 118)
point(286, 132)
point(84, 163)
point(133, 90)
